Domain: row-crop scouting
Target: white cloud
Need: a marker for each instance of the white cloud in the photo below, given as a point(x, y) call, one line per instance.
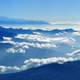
point(10, 42)
point(37, 33)
point(77, 33)
point(48, 60)
point(7, 38)
point(40, 42)
point(4, 69)
point(45, 28)
point(74, 53)
point(23, 46)
point(31, 63)
point(35, 62)
point(68, 41)
point(41, 38)
point(14, 50)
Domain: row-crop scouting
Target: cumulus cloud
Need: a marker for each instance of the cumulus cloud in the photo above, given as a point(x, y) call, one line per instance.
point(23, 46)
point(38, 62)
point(10, 42)
point(37, 33)
point(33, 37)
point(35, 62)
point(37, 41)
point(8, 68)
point(7, 38)
point(41, 38)
point(77, 33)
point(74, 53)
point(2, 69)
point(45, 28)
point(31, 63)
point(14, 50)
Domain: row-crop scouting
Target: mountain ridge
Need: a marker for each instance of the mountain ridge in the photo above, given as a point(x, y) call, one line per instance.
point(14, 21)
point(66, 71)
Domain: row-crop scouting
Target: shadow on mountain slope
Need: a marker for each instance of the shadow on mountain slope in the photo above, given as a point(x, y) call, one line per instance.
point(66, 71)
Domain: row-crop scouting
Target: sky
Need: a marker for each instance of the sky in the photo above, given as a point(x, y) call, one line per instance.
point(41, 9)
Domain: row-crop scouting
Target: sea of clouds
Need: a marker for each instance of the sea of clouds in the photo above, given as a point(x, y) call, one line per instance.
point(22, 42)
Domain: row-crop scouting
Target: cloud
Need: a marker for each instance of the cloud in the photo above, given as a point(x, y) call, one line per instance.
point(74, 53)
point(31, 63)
point(10, 42)
point(37, 33)
point(77, 33)
point(23, 46)
point(61, 25)
point(7, 38)
point(45, 28)
point(37, 41)
point(41, 38)
point(14, 50)
point(4, 69)
point(35, 62)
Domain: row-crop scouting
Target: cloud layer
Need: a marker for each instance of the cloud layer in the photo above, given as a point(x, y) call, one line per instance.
point(36, 41)
point(35, 62)
point(43, 39)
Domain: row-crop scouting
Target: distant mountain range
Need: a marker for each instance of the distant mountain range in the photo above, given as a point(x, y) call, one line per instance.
point(66, 71)
point(13, 21)
point(10, 32)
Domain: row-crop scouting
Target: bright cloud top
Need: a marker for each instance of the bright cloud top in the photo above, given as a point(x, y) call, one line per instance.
point(50, 44)
point(35, 62)
point(37, 41)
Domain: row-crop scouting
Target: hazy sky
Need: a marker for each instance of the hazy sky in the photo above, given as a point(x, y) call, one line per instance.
point(41, 9)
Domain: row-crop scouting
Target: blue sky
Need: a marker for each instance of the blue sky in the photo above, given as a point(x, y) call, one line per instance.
point(41, 9)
